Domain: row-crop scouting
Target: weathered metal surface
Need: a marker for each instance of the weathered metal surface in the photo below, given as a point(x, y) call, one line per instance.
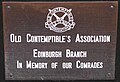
point(90, 18)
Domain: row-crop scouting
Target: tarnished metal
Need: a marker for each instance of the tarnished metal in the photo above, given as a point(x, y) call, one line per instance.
point(90, 19)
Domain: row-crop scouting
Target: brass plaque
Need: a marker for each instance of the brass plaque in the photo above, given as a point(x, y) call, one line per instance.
point(60, 40)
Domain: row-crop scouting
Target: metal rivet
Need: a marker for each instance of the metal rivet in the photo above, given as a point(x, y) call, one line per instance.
point(10, 75)
point(111, 6)
point(108, 75)
point(8, 7)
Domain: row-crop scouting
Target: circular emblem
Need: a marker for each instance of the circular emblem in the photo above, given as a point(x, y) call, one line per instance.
point(60, 20)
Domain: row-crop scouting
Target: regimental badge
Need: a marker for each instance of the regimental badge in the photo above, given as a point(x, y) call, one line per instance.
point(60, 20)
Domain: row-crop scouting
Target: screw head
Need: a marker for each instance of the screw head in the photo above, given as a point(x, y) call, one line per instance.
point(10, 75)
point(108, 75)
point(8, 7)
point(111, 6)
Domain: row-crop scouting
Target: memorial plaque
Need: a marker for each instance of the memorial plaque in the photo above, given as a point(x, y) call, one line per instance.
point(60, 40)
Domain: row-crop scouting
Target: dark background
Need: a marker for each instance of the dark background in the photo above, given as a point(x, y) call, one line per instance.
point(2, 74)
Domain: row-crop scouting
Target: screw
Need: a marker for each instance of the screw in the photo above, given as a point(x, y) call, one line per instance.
point(111, 6)
point(8, 7)
point(10, 75)
point(109, 75)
